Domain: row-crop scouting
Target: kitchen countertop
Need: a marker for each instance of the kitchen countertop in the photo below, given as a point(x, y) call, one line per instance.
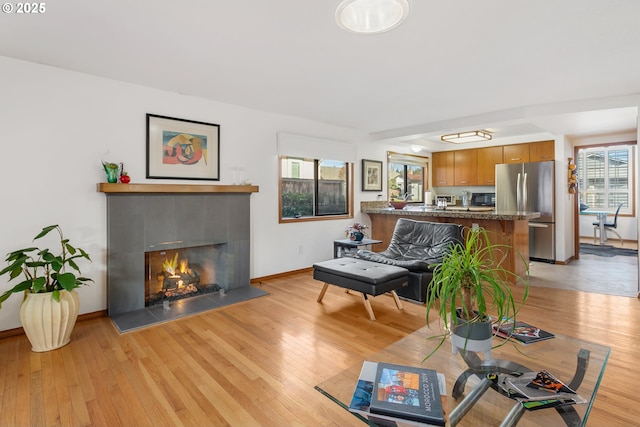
point(452, 212)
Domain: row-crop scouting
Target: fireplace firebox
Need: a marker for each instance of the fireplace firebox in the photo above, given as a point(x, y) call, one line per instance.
point(174, 274)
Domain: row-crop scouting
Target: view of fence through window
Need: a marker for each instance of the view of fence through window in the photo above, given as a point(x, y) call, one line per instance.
point(604, 177)
point(311, 187)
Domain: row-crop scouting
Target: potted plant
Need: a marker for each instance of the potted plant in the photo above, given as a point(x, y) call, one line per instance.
point(470, 286)
point(50, 307)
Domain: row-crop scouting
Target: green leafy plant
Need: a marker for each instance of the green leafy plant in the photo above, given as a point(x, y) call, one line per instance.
point(43, 270)
point(471, 283)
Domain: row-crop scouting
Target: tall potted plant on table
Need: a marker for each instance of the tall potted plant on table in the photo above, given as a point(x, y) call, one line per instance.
point(470, 286)
point(50, 307)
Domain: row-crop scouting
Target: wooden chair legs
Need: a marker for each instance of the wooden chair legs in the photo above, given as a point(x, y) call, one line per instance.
point(396, 299)
point(322, 292)
point(367, 306)
point(365, 299)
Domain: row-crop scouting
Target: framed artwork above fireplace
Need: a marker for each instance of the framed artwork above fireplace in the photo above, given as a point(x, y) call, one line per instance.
point(182, 149)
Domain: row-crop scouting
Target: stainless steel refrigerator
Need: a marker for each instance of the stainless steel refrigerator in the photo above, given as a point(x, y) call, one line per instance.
point(529, 187)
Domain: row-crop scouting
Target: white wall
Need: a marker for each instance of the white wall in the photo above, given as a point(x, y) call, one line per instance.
point(564, 202)
point(56, 126)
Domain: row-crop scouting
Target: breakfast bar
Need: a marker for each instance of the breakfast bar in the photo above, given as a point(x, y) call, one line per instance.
point(504, 228)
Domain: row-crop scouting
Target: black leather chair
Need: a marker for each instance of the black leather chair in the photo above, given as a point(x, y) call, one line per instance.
point(609, 226)
point(417, 246)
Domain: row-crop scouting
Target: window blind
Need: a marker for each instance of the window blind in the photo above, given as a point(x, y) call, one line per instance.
point(308, 147)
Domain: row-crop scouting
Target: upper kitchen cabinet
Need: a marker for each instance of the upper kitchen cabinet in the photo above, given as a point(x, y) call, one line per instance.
point(477, 166)
point(442, 168)
point(541, 151)
point(517, 153)
point(488, 158)
point(465, 167)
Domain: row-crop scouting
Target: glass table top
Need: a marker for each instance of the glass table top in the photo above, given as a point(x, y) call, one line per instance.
point(576, 362)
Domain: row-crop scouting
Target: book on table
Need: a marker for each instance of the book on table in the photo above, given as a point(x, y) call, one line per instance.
point(400, 393)
point(521, 332)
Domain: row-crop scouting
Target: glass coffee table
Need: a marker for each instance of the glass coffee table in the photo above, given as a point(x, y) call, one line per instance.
point(472, 398)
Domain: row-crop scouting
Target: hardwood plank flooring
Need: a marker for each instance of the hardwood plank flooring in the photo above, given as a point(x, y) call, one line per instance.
point(256, 363)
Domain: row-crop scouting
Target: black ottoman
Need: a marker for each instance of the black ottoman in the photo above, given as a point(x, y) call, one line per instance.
point(369, 278)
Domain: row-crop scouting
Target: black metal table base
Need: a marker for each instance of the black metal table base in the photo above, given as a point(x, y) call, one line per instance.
point(482, 369)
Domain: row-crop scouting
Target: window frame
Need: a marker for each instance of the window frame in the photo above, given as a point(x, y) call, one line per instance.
point(407, 160)
point(316, 217)
point(581, 153)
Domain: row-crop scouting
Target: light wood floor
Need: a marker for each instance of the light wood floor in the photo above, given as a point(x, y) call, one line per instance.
point(256, 363)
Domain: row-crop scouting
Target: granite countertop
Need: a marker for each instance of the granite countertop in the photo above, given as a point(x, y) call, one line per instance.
point(454, 212)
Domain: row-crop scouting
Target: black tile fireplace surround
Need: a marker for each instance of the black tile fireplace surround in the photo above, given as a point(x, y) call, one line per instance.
point(141, 222)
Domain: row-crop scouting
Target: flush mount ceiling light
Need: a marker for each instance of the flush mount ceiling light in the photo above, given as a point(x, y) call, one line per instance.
point(471, 136)
point(416, 148)
point(371, 16)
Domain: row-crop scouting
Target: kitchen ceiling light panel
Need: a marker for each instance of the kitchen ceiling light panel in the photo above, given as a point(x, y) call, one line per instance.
point(462, 137)
point(371, 16)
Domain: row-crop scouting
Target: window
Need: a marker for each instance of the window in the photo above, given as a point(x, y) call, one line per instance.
point(407, 177)
point(312, 188)
point(604, 177)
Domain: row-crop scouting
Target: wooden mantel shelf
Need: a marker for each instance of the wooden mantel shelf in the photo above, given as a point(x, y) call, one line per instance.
point(104, 187)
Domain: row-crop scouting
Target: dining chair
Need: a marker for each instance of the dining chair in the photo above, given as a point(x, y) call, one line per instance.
point(609, 226)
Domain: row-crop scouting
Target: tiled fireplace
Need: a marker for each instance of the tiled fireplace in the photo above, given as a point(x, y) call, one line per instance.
point(171, 247)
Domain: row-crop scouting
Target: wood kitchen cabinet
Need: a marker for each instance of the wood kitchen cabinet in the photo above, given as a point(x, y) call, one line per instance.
point(465, 167)
point(516, 153)
point(477, 166)
point(541, 151)
point(488, 158)
point(442, 175)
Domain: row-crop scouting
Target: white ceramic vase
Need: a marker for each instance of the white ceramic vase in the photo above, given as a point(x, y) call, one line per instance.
point(48, 323)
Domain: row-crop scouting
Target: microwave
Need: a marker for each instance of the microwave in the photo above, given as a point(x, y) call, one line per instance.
point(450, 199)
point(483, 199)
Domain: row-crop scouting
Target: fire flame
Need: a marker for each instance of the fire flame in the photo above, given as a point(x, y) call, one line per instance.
point(184, 266)
point(174, 268)
point(170, 265)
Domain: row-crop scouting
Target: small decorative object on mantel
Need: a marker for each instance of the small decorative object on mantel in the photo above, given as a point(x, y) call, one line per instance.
point(112, 170)
point(357, 231)
point(573, 177)
point(124, 176)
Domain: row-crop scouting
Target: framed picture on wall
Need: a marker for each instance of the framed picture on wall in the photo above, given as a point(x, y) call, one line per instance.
point(371, 175)
point(182, 149)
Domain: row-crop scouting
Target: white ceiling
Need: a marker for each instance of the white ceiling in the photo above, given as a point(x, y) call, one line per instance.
point(545, 66)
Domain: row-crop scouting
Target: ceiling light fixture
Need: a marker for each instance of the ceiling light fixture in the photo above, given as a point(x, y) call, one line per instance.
point(472, 136)
point(416, 148)
point(371, 16)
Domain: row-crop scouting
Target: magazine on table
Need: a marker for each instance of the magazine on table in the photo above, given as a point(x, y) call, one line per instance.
point(537, 390)
point(382, 380)
point(522, 332)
